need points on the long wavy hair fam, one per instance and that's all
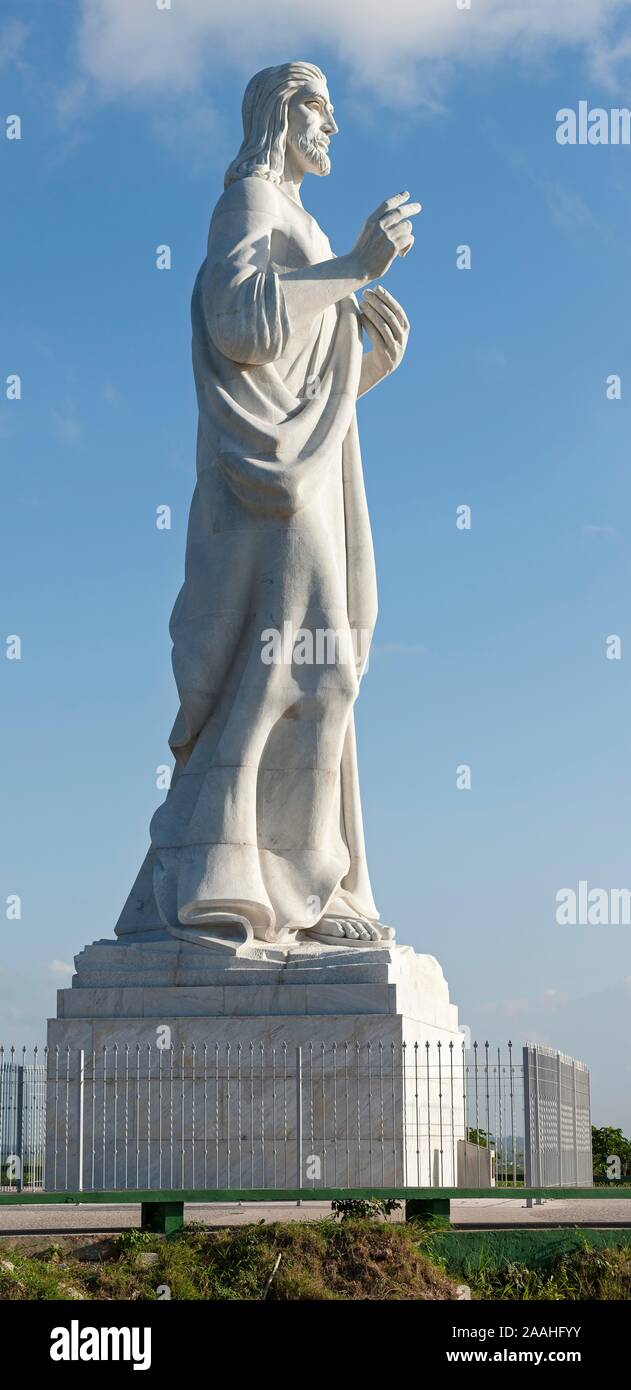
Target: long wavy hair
(265, 113)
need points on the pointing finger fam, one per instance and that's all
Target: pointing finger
(397, 215)
(389, 204)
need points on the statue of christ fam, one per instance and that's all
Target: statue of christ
(260, 836)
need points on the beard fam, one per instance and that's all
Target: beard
(315, 153)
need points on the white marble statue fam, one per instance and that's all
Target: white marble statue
(261, 835)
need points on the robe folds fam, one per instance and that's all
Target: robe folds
(263, 816)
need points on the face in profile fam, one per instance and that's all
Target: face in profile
(310, 128)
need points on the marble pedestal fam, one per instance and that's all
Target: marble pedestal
(172, 1066)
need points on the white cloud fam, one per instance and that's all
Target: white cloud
(192, 125)
(409, 46)
(12, 36)
(591, 528)
(60, 968)
(567, 207)
(66, 427)
(70, 100)
(609, 58)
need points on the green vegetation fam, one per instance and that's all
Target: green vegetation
(304, 1261)
(607, 1142)
(479, 1137)
(584, 1275)
(318, 1260)
(350, 1209)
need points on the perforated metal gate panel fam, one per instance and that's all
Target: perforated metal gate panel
(558, 1139)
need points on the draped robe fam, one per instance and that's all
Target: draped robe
(263, 816)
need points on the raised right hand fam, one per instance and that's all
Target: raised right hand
(387, 233)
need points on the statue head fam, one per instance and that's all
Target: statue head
(287, 121)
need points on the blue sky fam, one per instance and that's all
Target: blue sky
(491, 644)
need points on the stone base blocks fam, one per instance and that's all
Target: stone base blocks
(173, 1067)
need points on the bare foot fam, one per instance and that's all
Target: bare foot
(351, 930)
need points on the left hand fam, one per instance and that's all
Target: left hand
(387, 327)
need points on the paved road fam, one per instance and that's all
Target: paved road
(484, 1212)
(489, 1211)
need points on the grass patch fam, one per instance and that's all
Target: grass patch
(589, 1274)
(318, 1260)
(297, 1261)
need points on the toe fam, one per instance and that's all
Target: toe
(371, 930)
(330, 927)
